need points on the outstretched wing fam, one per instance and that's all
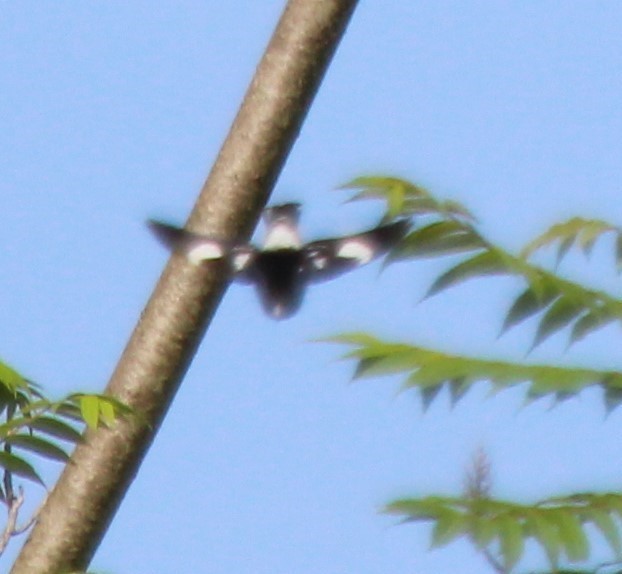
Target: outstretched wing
(329, 258)
(197, 248)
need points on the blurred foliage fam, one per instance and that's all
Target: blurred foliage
(34, 426)
(499, 529)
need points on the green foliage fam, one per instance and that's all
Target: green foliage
(98, 409)
(35, 425)
(559, 302)
(503, 527)
(430, 370)
(577, 230)
(405, 198)
(499, 529)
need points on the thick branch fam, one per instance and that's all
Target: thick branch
(79, 509)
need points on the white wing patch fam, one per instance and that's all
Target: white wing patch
(357, 249)
(240, 260)
(319, 262)
(282, 236)
(204, 251)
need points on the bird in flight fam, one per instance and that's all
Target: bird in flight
(284, 266)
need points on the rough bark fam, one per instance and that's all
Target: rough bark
(87, 495)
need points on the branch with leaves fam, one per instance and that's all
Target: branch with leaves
(450, 230)
(430, 370)
(35, 425)
(502, 528)
(498, 528)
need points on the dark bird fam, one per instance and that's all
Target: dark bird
(284, 266)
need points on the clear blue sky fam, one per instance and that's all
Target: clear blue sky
(269, 461)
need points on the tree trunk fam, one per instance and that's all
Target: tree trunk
(81, 506)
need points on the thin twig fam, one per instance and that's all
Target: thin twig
(11, 529)
(14, 504)
(478, 482)
(21, 529)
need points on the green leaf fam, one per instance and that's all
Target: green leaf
(528, 303)
(483, 531)
(352, 338)
(619, 251)
(487, 263)
(383, 185)
(546, 533)
(511, 539)
(16, 422)
(453, 208)
(56, 428)
(384, 365)
(70, 409)
(11, 379)
(18, 466)
(608, 527)
(591, 231)
(39, 446)
(591, 300)
(561, 313)
(107, 411)
(587, 230)
(453, 234)
(547, 380)
(457, 389)
(555, 523)
(404, 198)
(395, 200)
(571, 535)
(396, 192)
(428, 394)
(434, 373)
(589, 322)
(426, 368)
(613, 396)
(564, 247)
(95, 409)
(612, 502)
(449, 526)
(427, 508)
(89, 408)
(439, 238)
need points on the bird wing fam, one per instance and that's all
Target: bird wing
(197, 248)
(328, 258)
(242, 261)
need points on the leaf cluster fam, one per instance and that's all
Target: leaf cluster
(498, 528)
(430, 370)
(556, 524)
(34, 424)
(450, 230)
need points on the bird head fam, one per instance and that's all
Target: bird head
(282, 226)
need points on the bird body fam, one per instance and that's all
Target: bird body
(283, 268)
(280, 278)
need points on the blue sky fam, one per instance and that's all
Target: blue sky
(269, 461)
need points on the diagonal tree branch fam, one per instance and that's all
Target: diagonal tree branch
(79, 509)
